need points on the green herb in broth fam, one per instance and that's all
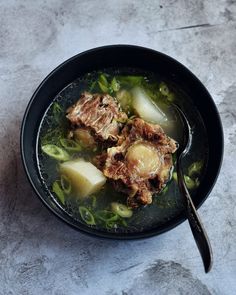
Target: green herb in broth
(103, 83)
(109, 219)
(190, 183)
(57, 112)
(129, 81)
(121, 210)
(106, 216)
(57, 126)
(87, 216)
(54, 130)
(55, 152)
(115, 85)
(66, 184)
(56, 188)
(70, 145)
(195, 168)
(107, 86)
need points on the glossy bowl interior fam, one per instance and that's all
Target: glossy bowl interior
(118, 56)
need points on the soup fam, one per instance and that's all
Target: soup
(107, 148)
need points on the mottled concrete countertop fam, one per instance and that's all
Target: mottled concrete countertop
(41, 255)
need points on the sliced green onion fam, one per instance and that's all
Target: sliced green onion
(66, 184)
(86, 215)
(121, 210)
(115, 85)
(195, 168)
(103, 80)
(164, 89)
(103, 83)
(103, 87)
(55, 152)
(70, 145)
(190, 183)
(106, 215)
(59, 192)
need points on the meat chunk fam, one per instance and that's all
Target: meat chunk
(100, 114)
(141, 162)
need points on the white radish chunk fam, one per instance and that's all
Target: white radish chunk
(85, 178)
(146, 109)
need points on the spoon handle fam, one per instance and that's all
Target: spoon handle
(196, 225)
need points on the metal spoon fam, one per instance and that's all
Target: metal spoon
(195, 223)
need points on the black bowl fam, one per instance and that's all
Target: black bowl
(120, 56)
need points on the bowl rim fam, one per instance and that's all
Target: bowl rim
(106, 234)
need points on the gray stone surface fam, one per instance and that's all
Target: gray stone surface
(41, 255)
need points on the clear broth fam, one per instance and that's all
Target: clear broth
(166, 205)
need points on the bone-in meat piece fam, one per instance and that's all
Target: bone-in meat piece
(100, 114)
(140, 163)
